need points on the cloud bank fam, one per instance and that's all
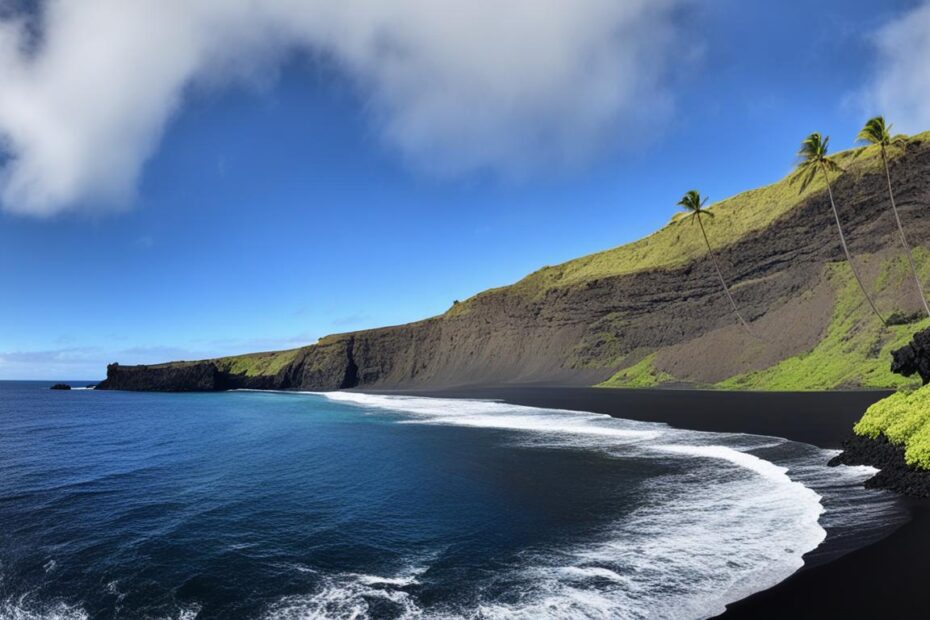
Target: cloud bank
(87, 87)
(88, 362)
(901, 87)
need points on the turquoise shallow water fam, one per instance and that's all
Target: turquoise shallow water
(267, 505)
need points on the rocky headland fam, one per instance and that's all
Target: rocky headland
(651, 312)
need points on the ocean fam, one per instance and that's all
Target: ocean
(347, 505)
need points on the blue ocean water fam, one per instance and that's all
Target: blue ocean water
(271, 505)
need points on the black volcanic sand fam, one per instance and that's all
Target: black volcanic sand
(889, 579)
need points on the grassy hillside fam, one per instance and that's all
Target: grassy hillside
(675, 245)
(854, 352)
(856, 349)
(256, 364)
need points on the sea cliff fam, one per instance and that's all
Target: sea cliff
(651, 312)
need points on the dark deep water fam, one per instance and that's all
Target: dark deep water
(265, 505)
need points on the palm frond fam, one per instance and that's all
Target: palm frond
(832, 166)
(691, 201)
(859, 152)
(803, 175)
(813, 148)
(875, 131)
(898, 143)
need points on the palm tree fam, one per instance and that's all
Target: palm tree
(693, 203)
(813, 159)
(877, 132)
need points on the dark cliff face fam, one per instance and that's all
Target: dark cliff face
(322, 367)
(194, 377)
(583, 332)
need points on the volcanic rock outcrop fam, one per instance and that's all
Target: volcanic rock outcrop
(914, 357)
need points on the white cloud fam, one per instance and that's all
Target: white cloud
(454, 86)
(901, 87)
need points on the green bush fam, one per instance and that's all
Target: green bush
(904, 418)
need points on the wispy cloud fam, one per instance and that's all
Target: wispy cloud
(145, 242)
(233, 346)
(900, 87)
(453, 86)
(66, 356)
(83, 362)
(351, 319)
(89, 362)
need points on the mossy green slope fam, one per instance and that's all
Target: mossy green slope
(853, 353)
(675, 245)
(856, 350)
(643, 374)
(257, 364)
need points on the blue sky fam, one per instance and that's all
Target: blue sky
(272, 212)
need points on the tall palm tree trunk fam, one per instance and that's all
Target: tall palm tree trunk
(723, 282)
(907, 248)
(839, 228)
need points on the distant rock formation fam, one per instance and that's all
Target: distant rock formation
(324, 366)
(60, 386)
(194, 377)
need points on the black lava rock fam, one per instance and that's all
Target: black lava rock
(894, 473)
(60, 386)
(913, 357)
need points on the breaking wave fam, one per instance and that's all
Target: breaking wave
(740, 521)
(710, 517)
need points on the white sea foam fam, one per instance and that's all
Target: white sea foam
(24, 608)
(741, 524)
(374, 580)
(346, 597)
(28, 607)
(495, 415)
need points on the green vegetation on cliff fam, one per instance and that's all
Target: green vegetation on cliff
(674, 245)
(257, 364)
(640, 375)
(904, 419)
(855, 350)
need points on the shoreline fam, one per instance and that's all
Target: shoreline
(883, 579)
(798, 416)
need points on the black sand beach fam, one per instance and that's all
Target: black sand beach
(888, 579)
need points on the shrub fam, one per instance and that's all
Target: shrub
(904, 418)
